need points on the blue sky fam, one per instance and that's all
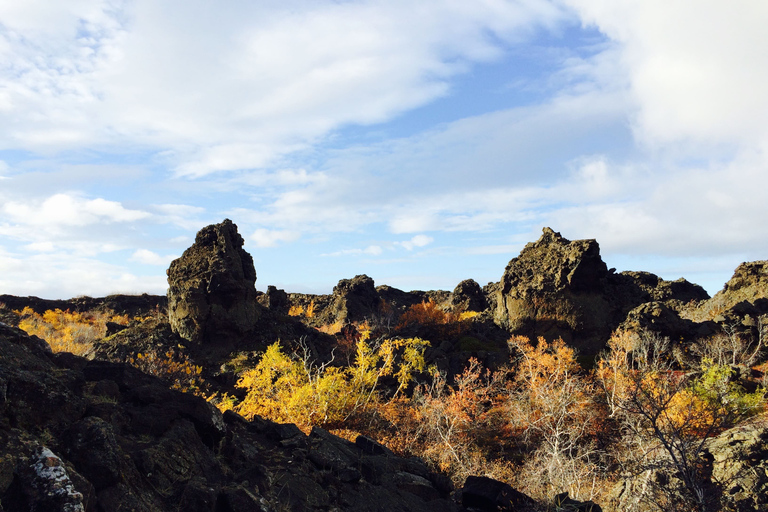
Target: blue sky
(419, 143)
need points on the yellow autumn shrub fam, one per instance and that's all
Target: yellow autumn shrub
(294, 389)
(67, 331)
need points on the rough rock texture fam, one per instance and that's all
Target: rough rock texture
(275, 300)
(353, 300)
(469, 296)
(660, 290)
(745, 294)
(749, 282)
(79, 435)
(659, 317)
(558, 288)
(738, 462)
(211, 294)
(562, 288)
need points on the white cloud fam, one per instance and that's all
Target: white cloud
(231, 88)
(272, 238)
(62, 275)
(68, 210)
(148, 257)
(696, 68)
(416, 241)
(182, 215)
(371, 250)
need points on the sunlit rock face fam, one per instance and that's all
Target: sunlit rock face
(562, 288)
(557, 288)
(211, 294)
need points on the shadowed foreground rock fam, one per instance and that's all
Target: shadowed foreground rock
(79, 435)
(211, 294)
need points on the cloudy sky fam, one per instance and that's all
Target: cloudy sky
(421, 143)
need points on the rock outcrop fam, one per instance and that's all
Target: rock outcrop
(558, 288)
(79, 435)
(740, 463)
(562, 288)
(737, 469)
(353, 300)
(469, 296)
(743, 299)
(660, 290)
(211, 294)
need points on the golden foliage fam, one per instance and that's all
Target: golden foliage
(294, 389)
(67, 331)
(429, 317)
(174, 367)
(555, 410)
(300, 310)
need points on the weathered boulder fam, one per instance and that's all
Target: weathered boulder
(211, 294)
(740, 465)
(558, 288)
(486, 494)
(469, 296)
(749, 282)
(658, 317)
(661, 290)
(744, 295)
(736, 469)
(275, 300)
(353, 300)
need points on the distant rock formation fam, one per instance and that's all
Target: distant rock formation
(469, 296)
(660, 290)
(746, 293)
(274, 300)
(353, 300)
(562, 288)
(211, 294)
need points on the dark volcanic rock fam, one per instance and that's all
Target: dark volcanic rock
(562, 288)
(740, 464)
(353, 300)
(211, 294)
(486, 494)
(469, 296)
(558, 288)
(660, 318)
(275, 300)
(660, 290)
(748, 285)
(737, 468)
(99, 436)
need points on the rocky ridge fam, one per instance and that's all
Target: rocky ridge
(100, 436)
(95, 435)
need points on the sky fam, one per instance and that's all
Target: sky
(420, 143)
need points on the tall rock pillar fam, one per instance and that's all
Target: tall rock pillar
(211, 294)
